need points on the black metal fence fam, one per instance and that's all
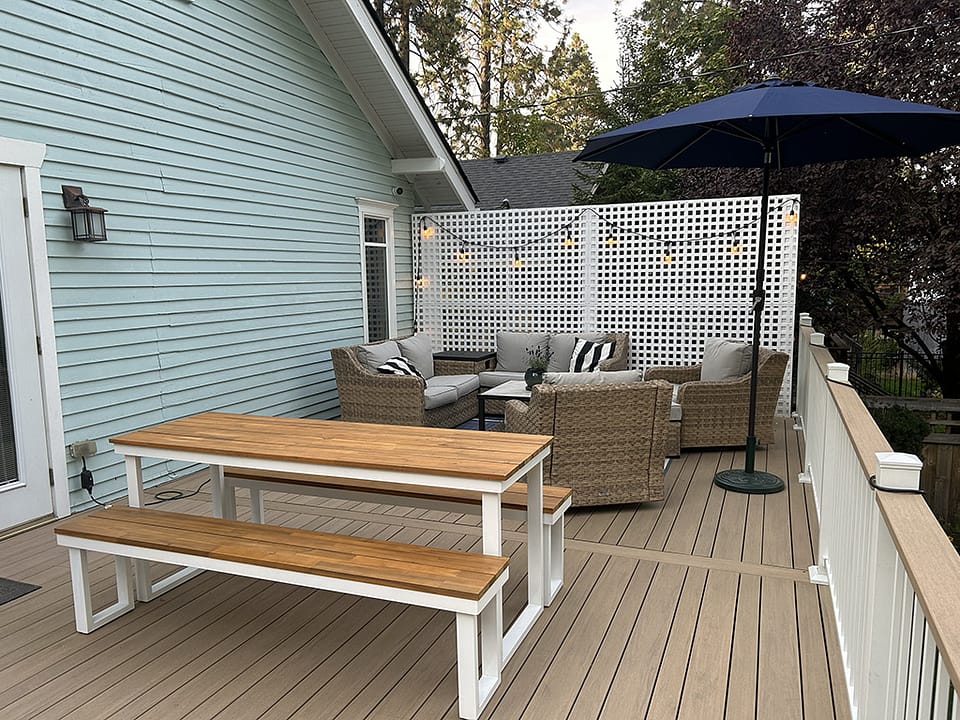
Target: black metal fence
(889, 373)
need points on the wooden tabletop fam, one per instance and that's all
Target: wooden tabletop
(403, 448)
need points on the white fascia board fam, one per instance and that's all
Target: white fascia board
(357, 10)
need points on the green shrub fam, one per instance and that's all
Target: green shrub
(903, 428)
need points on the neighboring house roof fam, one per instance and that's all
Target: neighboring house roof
(545, 180)
(356, 45)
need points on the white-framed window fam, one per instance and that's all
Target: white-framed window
(377, 269)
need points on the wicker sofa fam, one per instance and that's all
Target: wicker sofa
(608, 440)
(369, 396)
(715, 413)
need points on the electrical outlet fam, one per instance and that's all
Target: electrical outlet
(83, 448)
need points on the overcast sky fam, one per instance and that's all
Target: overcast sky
(593, 20)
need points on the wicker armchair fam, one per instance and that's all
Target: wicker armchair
(608, 440)
(368, 396)
(715, 414)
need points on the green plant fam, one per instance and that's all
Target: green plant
(539, 357)
(903, 428)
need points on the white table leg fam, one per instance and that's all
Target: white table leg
(538, 570)
(491, 523)
(217, 492)
(144, 582)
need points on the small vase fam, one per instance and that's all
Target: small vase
(533, 377)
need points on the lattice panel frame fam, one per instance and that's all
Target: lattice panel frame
(669, 273)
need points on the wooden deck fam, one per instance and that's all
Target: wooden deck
(695, 607)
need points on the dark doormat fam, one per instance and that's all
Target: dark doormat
(11, 589)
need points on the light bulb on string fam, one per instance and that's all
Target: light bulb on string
(568, 241)
(463, 254)
(790, 217)
(735, 247)
(427, 231)
(803, 276)
(611, 240)
(517, 262)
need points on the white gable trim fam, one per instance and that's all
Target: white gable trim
(358, 12)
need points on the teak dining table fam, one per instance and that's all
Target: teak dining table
(444, 458)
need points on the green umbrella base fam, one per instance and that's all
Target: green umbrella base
(748, 482)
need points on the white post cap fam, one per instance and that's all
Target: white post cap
(838, 372)
(817, 339)
(898, 470)
(806, 320)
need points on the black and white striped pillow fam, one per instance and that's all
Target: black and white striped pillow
(587, 355)
(399, 366)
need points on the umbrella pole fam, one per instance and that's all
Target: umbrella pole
(749, 480)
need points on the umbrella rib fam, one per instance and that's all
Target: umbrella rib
(901, 144)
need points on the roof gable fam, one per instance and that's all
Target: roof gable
(354, 42)
(544, 180)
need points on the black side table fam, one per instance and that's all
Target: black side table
(473, 361)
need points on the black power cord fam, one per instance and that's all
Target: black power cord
(86, 482)
(171, 495)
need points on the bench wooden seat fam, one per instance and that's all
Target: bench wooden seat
(467, 584)
(513, 503)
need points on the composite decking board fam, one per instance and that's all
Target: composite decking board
(593, 690)
(838, 682)
(136, 677)
(705, 685)
(556, 694)
(777, 531)
(276, 670)
(668, 692)
(744, 655)
(520, 687)
(639, 666)
(779, 691)
(689, 519)
(814, 670)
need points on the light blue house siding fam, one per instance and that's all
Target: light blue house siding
(230, 157)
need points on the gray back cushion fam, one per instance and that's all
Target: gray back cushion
(562, 344)
(593, 378)
(512, 349)
(374, 355)
(724, 359)
(418, 349)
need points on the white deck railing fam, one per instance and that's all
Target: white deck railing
(893, 574)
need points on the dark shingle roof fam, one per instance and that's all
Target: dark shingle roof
(544, 180)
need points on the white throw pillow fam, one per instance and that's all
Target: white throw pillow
(588, 355)
(724, 359)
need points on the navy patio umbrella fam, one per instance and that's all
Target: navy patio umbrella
(774, 124)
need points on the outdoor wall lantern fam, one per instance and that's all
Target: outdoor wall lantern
(88, 221)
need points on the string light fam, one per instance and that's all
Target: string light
(429, 228)
(803, 276)
(790, 217)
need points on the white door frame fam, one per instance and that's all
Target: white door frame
(28, 156)
(381, 211)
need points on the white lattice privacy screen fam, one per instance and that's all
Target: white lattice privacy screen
(669, 273)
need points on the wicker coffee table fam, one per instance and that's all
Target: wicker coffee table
(510, 390)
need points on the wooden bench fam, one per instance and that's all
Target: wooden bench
(467, 584)
(513, 503)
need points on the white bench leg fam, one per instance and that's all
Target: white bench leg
(553, 547)
(256, 505)
(87, 620)
(476, 687)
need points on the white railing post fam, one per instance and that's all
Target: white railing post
(883, 645)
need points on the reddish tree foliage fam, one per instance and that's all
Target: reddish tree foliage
(880, 240)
